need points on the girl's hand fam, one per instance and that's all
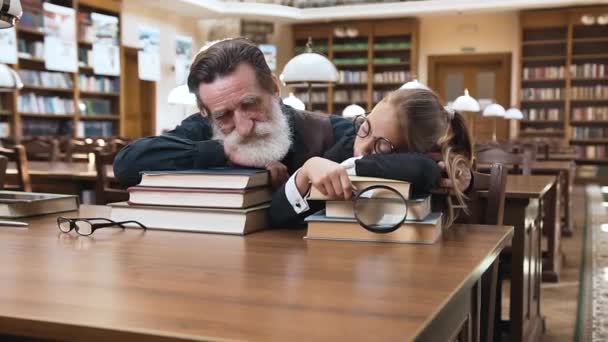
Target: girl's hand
(328, 177)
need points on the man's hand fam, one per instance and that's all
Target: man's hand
(278, 173)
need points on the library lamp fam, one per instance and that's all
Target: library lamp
(466, 103)
(10, 13)
(181, 95)
(9, 78)
(310, 69)
(514, 114)
(353, 110)
(294, 102)
(494, 111)
(414, 84)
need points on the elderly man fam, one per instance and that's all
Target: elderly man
(241, 121)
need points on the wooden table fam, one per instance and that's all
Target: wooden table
(526, 197)
(60, 177)
(158, 286)
(565, 170)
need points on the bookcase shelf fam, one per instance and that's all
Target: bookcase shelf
(30, 108)
(555, 41)
(382, 57)
(540, 122)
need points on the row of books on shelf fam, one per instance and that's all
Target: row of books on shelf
(589, 113)
(32, 16)
(588, 70)
(99, 84)
(315, 48)
(392, 45)
(47, 127)
(364, 61)
(316, 96)
(542, 93)
(598, 92)
(32, 103)
(346, 76)
(350, 96)
(96, 129)
(46, 79)
(85, 57)
(534, 130)
(357, 46)
(95, 106)
(30, 49)
(550, 72)
(392, 77)
(378, 95)
(540, 114)
(592, 151)
(589, 132)
(350, 46)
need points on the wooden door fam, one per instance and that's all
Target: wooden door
(140, 99)
(488, 79)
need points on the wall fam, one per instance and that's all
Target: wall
(486, 32)
(137, 14)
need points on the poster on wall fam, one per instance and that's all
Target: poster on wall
(8, 46)
(270, 54)
(149, 54)
(60, 51)
(183, 58)
(106, 50)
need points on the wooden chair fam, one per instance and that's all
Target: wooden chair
(104, 192)
(521, 163)
(79, 149)
(18, 155)
(3, 166)
(46, 149)
(117, 144)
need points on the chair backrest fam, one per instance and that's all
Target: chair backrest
(522, 162)
(42, 149)
(104, 192)
(117, 144)
(18, 155)
(79, 150)
(3, 166)
(496, 184)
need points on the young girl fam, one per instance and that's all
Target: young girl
(402, 138)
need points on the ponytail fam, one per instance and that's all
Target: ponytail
(457, 153)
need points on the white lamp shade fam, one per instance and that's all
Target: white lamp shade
(466, 103)
(309, 67)
(11, 14)
(9, 78)
(494, 110)
(514, 114)
(181, 95)
(352, 111)
(294, 102)
(414, 84)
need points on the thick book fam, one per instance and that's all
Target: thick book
(417, 209)
(217, 178)
(203, 220)
(193, 197)
(15, 204)
(321, 227)
(360, 183)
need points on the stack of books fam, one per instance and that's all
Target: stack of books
(226, 201)
(338, 222)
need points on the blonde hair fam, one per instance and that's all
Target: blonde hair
(428, 128)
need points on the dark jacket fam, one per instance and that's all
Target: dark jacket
(190, 145)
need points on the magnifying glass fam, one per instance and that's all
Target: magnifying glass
(380, 209)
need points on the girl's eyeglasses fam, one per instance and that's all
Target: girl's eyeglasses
(363, 129)
(86, 226)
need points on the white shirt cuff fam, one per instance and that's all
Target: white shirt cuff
(297, 201)
(349, 165)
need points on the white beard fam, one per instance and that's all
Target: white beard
(269, 142)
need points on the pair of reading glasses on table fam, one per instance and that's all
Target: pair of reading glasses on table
(87, 226)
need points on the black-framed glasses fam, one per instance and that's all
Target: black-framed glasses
(86, 226)
(363, 129)
(380, 208)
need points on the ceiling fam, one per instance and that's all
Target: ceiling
(262, 10)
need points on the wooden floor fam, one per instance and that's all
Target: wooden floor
(559, 301)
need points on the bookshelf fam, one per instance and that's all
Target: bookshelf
(53, 103)
(373, 57)
(564, 79)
